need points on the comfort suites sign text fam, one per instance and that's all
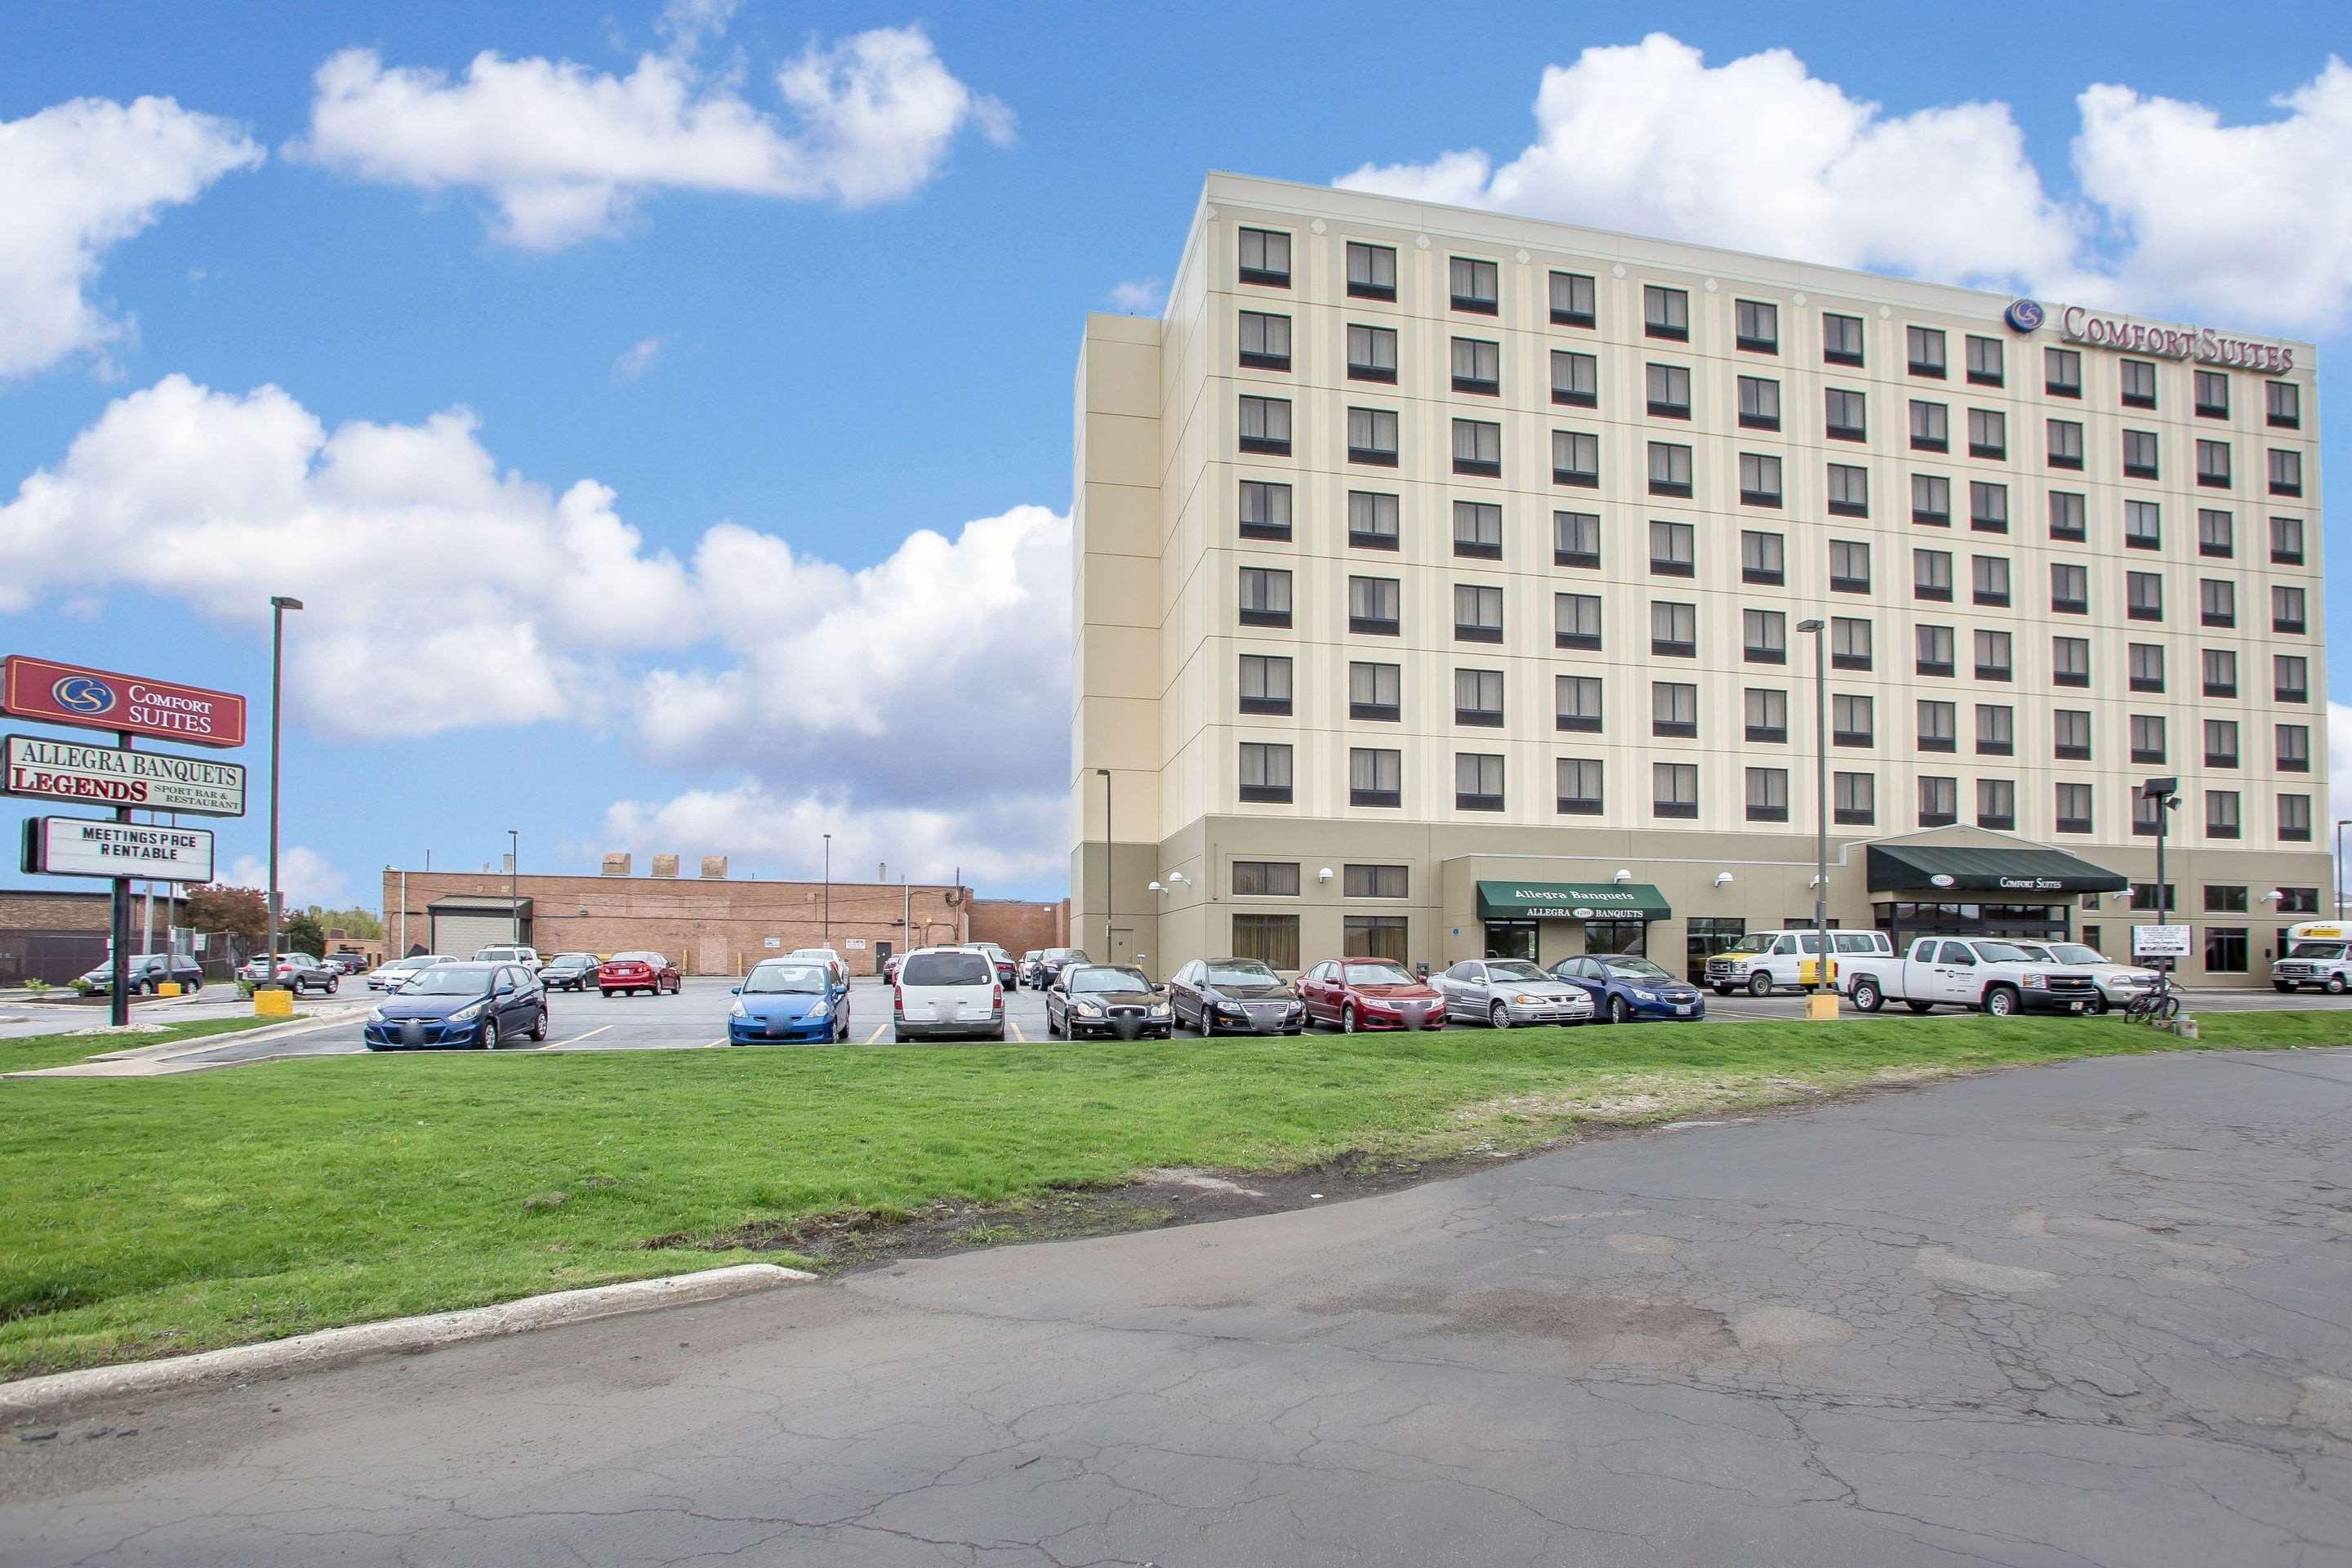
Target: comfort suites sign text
(2083, 326)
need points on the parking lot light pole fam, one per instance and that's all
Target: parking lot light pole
(1108, 954)
(514, 873)
(2160, 791)
(2341, 823)
(1814, 627)
(279, 605)
(828, 892)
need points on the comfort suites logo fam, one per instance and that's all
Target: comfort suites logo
(2025, 315)
(2080, 325)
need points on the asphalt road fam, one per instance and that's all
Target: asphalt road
(2098, 1313)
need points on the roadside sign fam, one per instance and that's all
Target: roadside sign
(81, 772)
(86, 846)
(73, 694)
(2160, 941)
(856, 944)
(773, 942)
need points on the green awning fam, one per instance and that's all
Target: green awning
(1985, 869)
(1572, 902)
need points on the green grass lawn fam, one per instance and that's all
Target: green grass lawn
(145, 1216)
(63, 1049)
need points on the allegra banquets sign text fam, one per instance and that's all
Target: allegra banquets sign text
(129, 704)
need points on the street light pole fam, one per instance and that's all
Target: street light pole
(1108, 956)
(1815, 627)
(514, 876)
(279, 605)
(2341, 823)
(828, 892)
(2160, 791)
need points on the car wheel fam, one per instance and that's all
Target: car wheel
(605, 992)
(539, 1026)
(1619, 1010)
(2098, 1005)
(1347, 1019)
(2335, 985)
(334, 981)
(2000, 1002)
(1498, 1017)
(490, 1034)
(1868, 995)
(1919, 1007)
(1759, 985)
(2283, 990)
(1722, 990)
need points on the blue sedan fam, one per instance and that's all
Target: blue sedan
(784, 1001)
(475, 1006)
(1624, 988)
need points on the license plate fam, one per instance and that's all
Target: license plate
(1681, 1009)
(2073, 1006)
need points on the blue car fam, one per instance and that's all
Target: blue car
(1624, 988)
(788, 1000)
(477, 1006)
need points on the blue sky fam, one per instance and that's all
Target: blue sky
(828, 375)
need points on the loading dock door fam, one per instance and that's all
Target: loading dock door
(461, 933)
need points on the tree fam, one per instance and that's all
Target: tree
(301, 932)
(361, 925)
(239, 912)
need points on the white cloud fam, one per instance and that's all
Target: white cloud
(76, 180)
(1633, 138)
(305, 878)
(688, 23)
(566, 151)
(2339, 765)
(1139, 297)
(1013, 839)
(637, 359)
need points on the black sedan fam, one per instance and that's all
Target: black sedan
(1237, 995)
(569, 972)
(1107, 999)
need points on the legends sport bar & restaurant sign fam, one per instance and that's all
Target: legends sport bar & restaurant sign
(75, 771)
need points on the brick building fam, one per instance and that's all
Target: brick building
(55, 935)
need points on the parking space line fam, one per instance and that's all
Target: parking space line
(577, 1038)
(876, 1037)
(714, 1045)
(1015, 1030)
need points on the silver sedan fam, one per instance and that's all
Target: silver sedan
(1508, 990)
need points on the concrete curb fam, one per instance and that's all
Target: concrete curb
(153, 1060)
(37, 1398)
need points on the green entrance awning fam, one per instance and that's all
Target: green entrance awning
(1984, 868)
(1572, 902)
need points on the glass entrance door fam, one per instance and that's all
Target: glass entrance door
(1511, 939)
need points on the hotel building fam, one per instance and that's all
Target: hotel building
(1451, 583)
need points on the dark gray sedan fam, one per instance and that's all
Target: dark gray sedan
(1107, 999)
(1238, 995)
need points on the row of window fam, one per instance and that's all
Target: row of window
(1279, 880)
(1474, 288)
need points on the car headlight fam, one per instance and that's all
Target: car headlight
(739, 1011)
(1086, 1009)
(1640, 995)
(377, 1016)
(2037, 982)
(1524, 1000)
(820, 1011)
(1159, 1009)
(467, 1014)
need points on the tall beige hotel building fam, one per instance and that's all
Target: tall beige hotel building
(1451, 583)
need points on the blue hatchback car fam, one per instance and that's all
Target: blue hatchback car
(466, 1006)
(1624, 988)
(789, 1000)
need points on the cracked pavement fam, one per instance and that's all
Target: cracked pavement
(2095, 1313)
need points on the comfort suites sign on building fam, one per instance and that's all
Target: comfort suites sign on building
(2080, 324)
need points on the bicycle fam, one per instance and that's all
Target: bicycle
(2159, 1005)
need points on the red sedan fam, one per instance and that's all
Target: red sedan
(648, 972)
(1369, 994)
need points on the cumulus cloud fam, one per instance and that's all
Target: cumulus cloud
(566, 153)
(1139, 297)
(2339, 761)
(76, 180)
(1632, 137)
(305, 878)
(637, 359)
(1010, 839)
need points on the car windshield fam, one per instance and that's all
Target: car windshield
(1376, 974)
(1760, 941)
(1241, 971)
(2037, 950)
(2075, 953)
(777, 977)
(570, 961)
(2318, 950)
(635, 958)
(451, 980)
(947, 969)
(2001, 953)
(1634, 968)
(1514, 969)
(1067, 954)
(1103, 977)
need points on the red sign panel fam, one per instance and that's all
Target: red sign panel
(103, 699)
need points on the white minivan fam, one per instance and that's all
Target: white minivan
(505, 953)
(1767, 960)
(948, 991)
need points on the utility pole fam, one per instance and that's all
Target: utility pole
(828, 892)
(279, 605)
(1815, 628)
(514, 890)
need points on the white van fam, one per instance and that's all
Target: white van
(948, 991)
(2318, 952)
(1767, 960)
(505, 953)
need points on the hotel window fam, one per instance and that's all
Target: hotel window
(1668, 388)
(2225, 950)
(2148, 738)
(1996, 729)
(1940, 801)
(1477, 365)
(1473, 285)
(1925, 351)
(1264, 509)
(1939, 724)
(1373, 436)
(2298, 900)
(1373, 936)
(1266, 683)
(1763, 558)
(1931, 427)
(1984, 360)
(2062, 373)
(1673, 629)
(1988, 433)
(1271, 939)
(1993, 656)
(1849, 643)
(1577, 621)
(2137, 377)
(1670, 469)
(1849, 490)
(2212, 395)
(1477, 781)
(1575, 379)
(1933, 650)
(1575, 459)
(2216, 534)
(1764, 636)
(1477, 447)
(1673, 789)
(1665, 312)
(1856, 796)
(2065, 443)
(2070, 661)
(1760, 480)
(1756, 326)
(1845, 414)
(1759, 403)
(1478, 612)
(1577, 786)
(1931, 574)
(1265, 596)
(1371, 519)
(1266, 425)
(2146, 895)
(2073, 807)
(1478, 698)
(2070, 734)
(2222, 822)
(1375, 776)
(1373, 606)
(2291, 678)
(2286, 609)
(1997, 802)
(1573, 299)
(2143, 595)
(1988, 506)
(2143, 525)
(1371, 270)
(1266, 257)
(2070, 588)
(1841, 339)
(2293, 748)
(1478, 529)
(1768, 795)
(1376, 692)
(2294, 819)
(1767, 714)
(1265, 340)
(2213, 464)
(1853, 720)
(2287, 542)
(2147, 666)
(2217, 601)
(1674, 709)
(2221, 671)
(1265, 878)
(1265, 772)
(1375, 881)
(1931, 501)
(1989, 580)
(1849, 566)
(1673, 549)
(2139, 455)
(2067, 517)
(2282, 404)
(1576, 703)
(1576, 539)
(1372, 354)
(2286, 473)
(2221, 742)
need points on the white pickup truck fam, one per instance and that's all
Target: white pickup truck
(1968, 972)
